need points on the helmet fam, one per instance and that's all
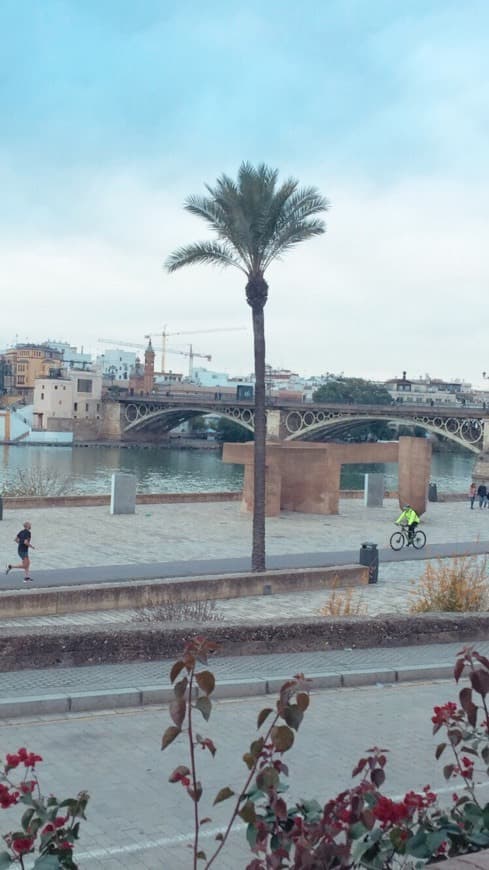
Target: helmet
(407, 507)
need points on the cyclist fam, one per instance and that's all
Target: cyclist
(410, 519)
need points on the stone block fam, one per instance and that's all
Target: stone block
(123, 493)
(373, 495)
(368, 677)
(157, 695)
(424, 672)
(110, 700)
(12, 708)
(239, 689)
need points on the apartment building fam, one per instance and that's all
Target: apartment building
(69, 396)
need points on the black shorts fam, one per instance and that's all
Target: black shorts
(23, 552)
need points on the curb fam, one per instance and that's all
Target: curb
(118, 699)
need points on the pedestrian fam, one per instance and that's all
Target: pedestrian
(472, 492)
(481, 493)
(23, 541)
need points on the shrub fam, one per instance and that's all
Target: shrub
(359, 828)
(455, 585)
(36, 482)
(181, 610)
(342, 603)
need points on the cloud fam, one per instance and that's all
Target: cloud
(398, 282)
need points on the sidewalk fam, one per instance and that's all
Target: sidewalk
(103, 687)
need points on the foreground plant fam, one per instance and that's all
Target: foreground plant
(48, 826)
(361, 826)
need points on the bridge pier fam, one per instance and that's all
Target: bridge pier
(306, 477)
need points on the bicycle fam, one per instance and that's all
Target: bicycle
(402, 539)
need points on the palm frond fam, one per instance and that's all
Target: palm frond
(290, 235)
(215, 253)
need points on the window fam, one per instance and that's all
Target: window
(84, 385)
(20, 379)
(55, 386)
(86, 406)
(98, 407)
(42, 395)
(75, 406)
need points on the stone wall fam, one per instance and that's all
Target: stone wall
(151, 642)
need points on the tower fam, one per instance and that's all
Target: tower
(149, 368)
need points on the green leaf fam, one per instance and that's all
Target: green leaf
(223, 795)
(417, 846)
(481, 840)
(448, 770)
(205, 681)
(178, 708)
(177, 667)
(282, 737)
(205, 707)
(262, 715)
(26, 818)
(293, 715)
(247, 813)
(251, 835)
(267, 778)
(180, 688)
(169, 736)
(435, 839)
(5, 860)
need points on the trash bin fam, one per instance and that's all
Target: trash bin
(432, 492)
(369, 555)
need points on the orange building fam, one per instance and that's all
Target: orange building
(28, 362)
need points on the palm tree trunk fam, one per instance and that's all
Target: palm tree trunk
(259, 471)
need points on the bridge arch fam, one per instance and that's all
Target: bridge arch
(465, 433)
(144, 415)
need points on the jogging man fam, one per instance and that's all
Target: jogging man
(23, 541)
(410, 519)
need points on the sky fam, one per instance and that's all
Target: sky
(112, 112)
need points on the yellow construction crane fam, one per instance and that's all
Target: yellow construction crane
(190, 353)
(164, 335)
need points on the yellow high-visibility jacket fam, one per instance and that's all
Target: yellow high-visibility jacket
(407, 517)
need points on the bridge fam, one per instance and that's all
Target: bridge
(466, 426)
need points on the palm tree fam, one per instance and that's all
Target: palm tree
(255, 221)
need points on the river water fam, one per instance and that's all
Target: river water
(163, 469)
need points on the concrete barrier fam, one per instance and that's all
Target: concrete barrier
(137, 594)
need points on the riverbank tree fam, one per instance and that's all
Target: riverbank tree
(255, 221)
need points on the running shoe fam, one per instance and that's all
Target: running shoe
(28, 580)
(8, 568)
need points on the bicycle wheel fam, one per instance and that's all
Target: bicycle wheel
(397, 541)
(419, 540)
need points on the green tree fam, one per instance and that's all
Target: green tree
(255, 221)
(228, 430)
(352, 391)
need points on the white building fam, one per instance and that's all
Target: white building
(429, 391)
(71, 356)
(75, 395)
(116, 363)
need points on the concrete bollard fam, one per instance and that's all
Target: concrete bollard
(123, 493)
(373, 494)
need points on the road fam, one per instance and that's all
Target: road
(202, 567)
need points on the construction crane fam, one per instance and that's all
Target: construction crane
(190, 353)
(164, 335)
